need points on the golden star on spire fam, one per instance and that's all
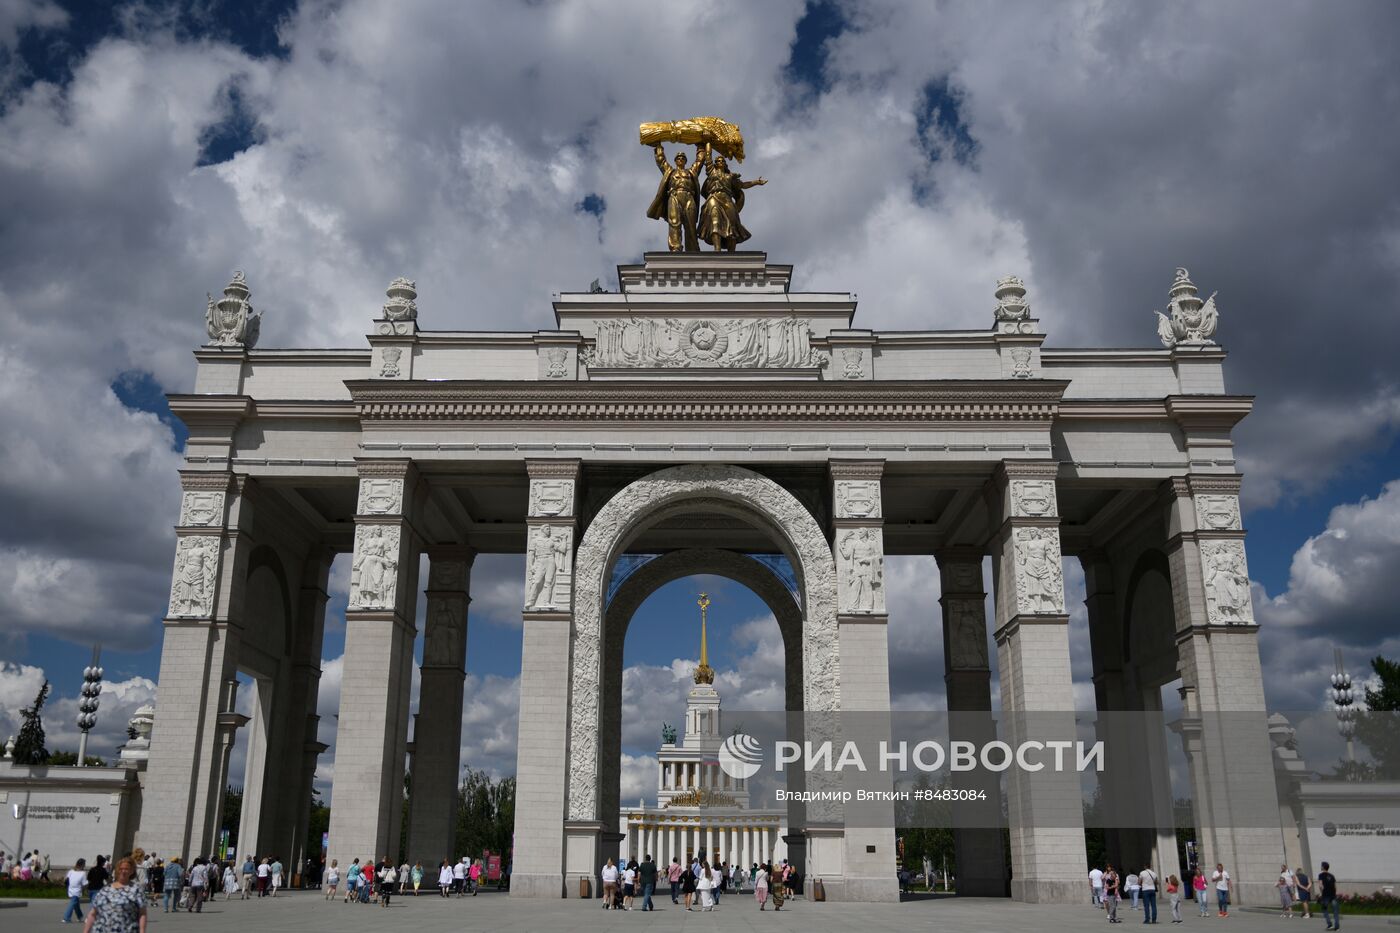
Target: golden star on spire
(704, 674)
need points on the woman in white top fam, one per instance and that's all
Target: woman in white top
(332, 878)
(629, 881)
(1134, 888)
(444, 878)
(609, 884)
(704, 885)
(230, 881)
(760, 888)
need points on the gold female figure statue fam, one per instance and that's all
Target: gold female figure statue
(677, 198)
(723, 192)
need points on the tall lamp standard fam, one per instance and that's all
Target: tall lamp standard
(88, 702)
(1342, 700)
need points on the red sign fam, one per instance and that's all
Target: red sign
(493, 867)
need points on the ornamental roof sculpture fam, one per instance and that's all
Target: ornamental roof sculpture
(231, 321)
(1190, 321)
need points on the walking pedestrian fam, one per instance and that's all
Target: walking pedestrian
(352, 880)
(1096, 886)
(444, 879)
(247, 877)
(1133, 886)
(646, 877)
(230, 881)
(1221, 877)
(1304, 884)
(474, 876)
(276, 869)
(156, 879)
(76, 879)
(1285, 891)
(779, 892)
(174, 882)
(760, 888)
(332, 879)
(609, 884)
(1147, 888)
(199, 884)
(1198, 885)
(688, 887)
(629, 884)
(388, 882)
(97, 876)
(459, 876)
(1174, 892)
(119, 907)
(416, 876)
(705, 884)
(1327, 898)
(1112, 893)
(673, 875)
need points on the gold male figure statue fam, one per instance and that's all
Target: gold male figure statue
(677, 199)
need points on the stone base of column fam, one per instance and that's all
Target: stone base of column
(1033, 891)
(583, 850)
(538, 886)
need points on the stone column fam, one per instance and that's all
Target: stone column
(1224, 724)
(372, 733)
(188, 771)
(968, 675)
(437, 736)
(1048, 860)
(868, 860)
(541, 759)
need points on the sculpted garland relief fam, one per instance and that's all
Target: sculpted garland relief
(1218, 513)
(821, 658)
(374, 573)
(380, 496)
(201, 509)
(196, 565)
(1040, 584)
(781, 343)
(1033, 498)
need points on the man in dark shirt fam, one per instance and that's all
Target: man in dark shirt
(646, 874)
(97, 876)
(1327, 898)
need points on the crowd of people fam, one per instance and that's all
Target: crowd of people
(30, 867)
(697, 886)
(1140, 888)
(377, 882)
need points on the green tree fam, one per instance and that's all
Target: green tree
(485, 813)
(1377, 727)
(319, 823)
(29, 744)
(67, 758)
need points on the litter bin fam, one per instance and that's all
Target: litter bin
(585, 888)
(818, 890)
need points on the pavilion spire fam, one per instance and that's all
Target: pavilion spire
(704, 674)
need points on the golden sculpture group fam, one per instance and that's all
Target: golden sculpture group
(697, 212)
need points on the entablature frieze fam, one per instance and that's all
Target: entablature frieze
(871, 402)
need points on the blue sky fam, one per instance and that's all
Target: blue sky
(917, 152)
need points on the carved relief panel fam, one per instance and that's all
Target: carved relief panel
(1040, 586)
(374, 571)
(196, 569)
(967, 635)
(549, 568)
(442, 640)
(551, 497)
(1227, 583)
(860, 570)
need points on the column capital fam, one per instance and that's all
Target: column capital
(1008, 470)
(384, 466)
(856, 469)
(553, 468)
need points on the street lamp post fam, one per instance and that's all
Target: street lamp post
(88, 702)
(1342, 701)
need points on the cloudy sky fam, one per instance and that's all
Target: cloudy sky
(916, 152)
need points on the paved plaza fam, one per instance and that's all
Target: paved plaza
(498, 913)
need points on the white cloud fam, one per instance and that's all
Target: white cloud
(118, 702)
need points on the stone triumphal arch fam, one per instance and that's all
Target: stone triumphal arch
(710, 417)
